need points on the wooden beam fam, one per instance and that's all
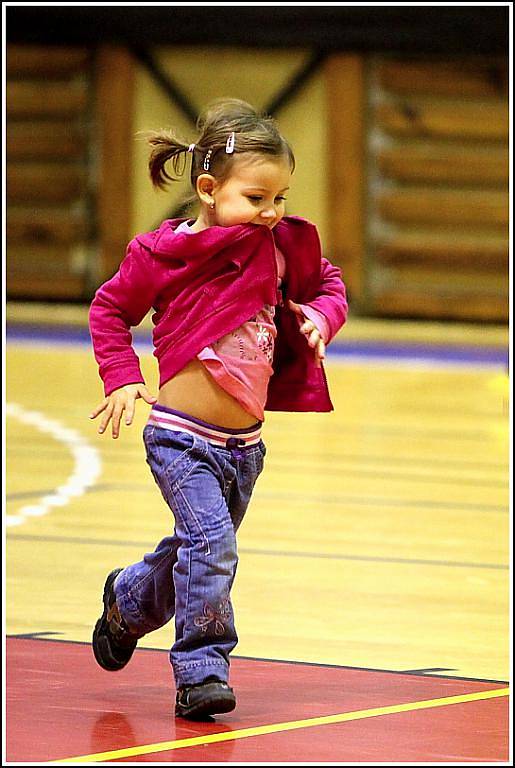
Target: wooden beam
(488, 209)
(49, 99)
(436, 164)
(61, 61)
(448, 249)
(471, 306)
(473, 78)
(46, 140)
(345, 168)
(114, 108)
(45, 183)
(46, 224)
(417, 118)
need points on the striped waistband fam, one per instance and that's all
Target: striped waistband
(166, 418)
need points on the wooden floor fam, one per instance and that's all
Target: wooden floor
(377, 538)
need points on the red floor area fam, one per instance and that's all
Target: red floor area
(60, 704)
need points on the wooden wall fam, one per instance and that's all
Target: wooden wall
(402, 163)
(69, 194)
(419, 174)
(49, 172)
(437, 189)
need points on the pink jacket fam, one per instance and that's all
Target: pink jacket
(206, 284)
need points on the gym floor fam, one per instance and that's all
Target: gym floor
(372, 598)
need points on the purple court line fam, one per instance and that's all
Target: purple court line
(409, 351)
(450, 353)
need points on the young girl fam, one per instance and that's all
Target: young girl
(244, 306)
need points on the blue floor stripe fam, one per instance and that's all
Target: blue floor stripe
(488, 355)
(410, 350)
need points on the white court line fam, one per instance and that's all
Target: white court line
(86, 471)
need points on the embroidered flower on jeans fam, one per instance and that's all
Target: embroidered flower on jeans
(219, 617)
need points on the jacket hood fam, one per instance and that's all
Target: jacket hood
(166, 242)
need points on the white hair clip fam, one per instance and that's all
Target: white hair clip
(207, 159)
(229, 147)
(191, 147)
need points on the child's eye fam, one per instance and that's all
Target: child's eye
(259, 198)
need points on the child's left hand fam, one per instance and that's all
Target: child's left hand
(310, 331)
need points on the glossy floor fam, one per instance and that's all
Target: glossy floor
(373, 574)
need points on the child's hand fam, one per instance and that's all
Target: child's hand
(117, 402)
(311, 332)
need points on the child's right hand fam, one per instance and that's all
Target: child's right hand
(117, 402)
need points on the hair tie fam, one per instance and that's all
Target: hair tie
(191, 147)
(229, 147)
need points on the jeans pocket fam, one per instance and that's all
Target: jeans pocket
(170, 453)
(258, 457)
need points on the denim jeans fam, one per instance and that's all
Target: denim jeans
(190, 574)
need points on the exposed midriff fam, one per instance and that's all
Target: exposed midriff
(194, 391)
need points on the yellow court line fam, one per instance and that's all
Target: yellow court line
(262, 730)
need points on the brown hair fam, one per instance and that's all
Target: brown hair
(254, 132)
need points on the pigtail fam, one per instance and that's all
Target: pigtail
(166, 147)
(226, 128)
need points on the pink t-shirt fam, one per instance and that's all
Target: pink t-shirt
(241, 361)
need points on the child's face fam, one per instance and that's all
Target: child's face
(253, 193)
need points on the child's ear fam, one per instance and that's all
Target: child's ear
(206, 185)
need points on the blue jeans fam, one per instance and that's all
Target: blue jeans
(190, 574)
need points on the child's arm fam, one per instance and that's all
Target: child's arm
(321, 318)
(314, 328)
(120, 303)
